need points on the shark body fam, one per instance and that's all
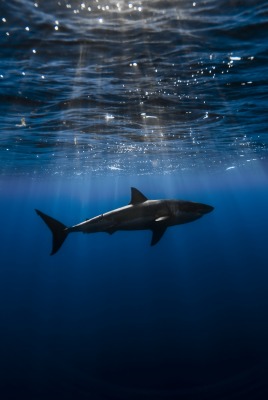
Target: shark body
(141, 213)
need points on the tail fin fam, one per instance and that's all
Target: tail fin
(59, 231)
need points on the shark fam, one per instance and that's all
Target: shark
(140, 214)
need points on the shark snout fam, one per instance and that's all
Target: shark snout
(204, 208)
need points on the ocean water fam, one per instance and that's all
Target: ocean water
(169, 97)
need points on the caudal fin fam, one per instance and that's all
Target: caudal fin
(59, 231)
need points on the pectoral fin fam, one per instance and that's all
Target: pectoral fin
(158, 232)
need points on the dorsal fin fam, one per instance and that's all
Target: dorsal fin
(137, 197)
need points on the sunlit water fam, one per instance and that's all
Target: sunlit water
(169, 97)
(154, 86)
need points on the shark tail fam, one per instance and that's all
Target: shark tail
(59, 231)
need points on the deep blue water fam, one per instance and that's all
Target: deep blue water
(109, 317)
(169, 97)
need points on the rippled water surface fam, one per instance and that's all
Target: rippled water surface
(143, 86)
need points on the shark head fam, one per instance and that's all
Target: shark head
(186, 211)
(201, 208)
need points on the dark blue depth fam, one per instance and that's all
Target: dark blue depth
(109, 317)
